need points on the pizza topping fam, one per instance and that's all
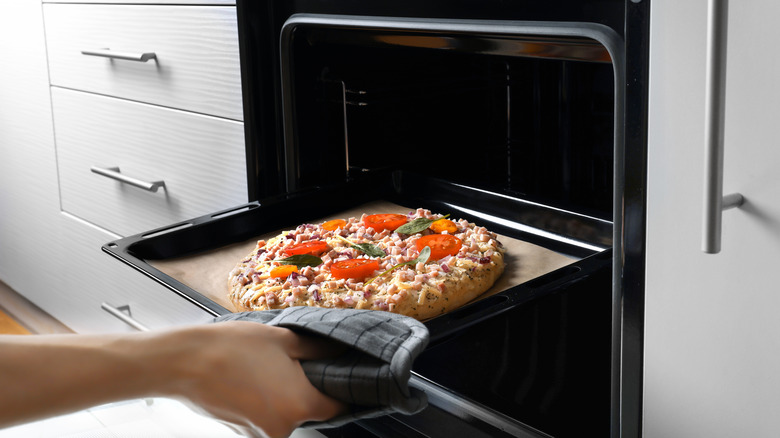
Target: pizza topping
(441, 245)
(386, 221)
(354, 268)
(422, 258)
(311, 247)
(366, 248)
(301, 260)
(418, 225)
(444, 226)
(335, 224)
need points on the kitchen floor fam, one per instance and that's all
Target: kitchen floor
(153, 418)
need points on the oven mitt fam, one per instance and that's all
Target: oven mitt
(372, 376)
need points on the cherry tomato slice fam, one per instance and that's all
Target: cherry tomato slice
(442, 225)
(313, 247)
(283, 271)
(335, 224)
(354, 268)
(441, 245)
(386, 221)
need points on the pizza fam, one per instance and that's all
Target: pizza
(419, 264)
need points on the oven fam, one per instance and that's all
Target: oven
(525, 117)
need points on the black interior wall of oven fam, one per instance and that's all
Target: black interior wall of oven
(536, 128)
(260, 23)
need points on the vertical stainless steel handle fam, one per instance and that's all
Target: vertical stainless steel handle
(108, 53)
(714, 121)
(113, 173)
(119, 312)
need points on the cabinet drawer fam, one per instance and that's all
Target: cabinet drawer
(86, 277)
(200, 159)
(195, 65)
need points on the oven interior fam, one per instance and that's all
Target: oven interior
(515, 130)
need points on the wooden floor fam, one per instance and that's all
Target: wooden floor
(19, 316)
(9, 326)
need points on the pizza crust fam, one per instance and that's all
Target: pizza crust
(422, 291)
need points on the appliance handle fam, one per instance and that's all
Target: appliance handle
(123, 313)
(111, 54)
(714, 122)
(113, 173)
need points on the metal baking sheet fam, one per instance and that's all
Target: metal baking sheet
(207, 272)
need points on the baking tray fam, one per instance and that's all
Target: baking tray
(545, 246)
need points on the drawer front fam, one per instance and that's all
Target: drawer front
(195, 65)
(85, 278)
(200, 160)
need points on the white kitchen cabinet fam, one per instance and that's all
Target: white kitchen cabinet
(192, 54)
(712, 331)
(52, 255)
(198, 159)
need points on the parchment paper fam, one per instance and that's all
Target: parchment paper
(207, 272)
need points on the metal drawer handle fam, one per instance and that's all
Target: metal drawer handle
(108, 53)
(113, 173)
(123, 313)
(715, 115)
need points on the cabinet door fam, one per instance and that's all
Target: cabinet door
(712, 331)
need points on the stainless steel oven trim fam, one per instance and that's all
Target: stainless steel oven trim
(604, 35)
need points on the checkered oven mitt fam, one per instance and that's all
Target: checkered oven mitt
(372, 376)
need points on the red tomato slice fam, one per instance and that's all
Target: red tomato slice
(441, 245)
(283, 271)
(386, 221)
(335, 224)
(354, 268)
(313, 247)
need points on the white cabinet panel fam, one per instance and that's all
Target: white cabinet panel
(86, 277)
(712, 334)
(196, 66)
(201, 160)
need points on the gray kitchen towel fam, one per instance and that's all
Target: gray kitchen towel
(372, 376)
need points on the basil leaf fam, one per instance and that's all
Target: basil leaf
(369, 249)
(416, 226)
(422, 258)
(301, 260)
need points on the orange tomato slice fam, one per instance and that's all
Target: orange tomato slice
(335, 224)
(354, 268)
(386, 221)
(442, 225)
(441, 245)
(283, 271)
(313, 247)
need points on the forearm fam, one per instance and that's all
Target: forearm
(241, 372)
(42, 376)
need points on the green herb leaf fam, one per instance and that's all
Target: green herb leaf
(369, 249)
(416, 226)
(422, 258)
(301, 260)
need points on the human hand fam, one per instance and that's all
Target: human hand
(248, 375)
